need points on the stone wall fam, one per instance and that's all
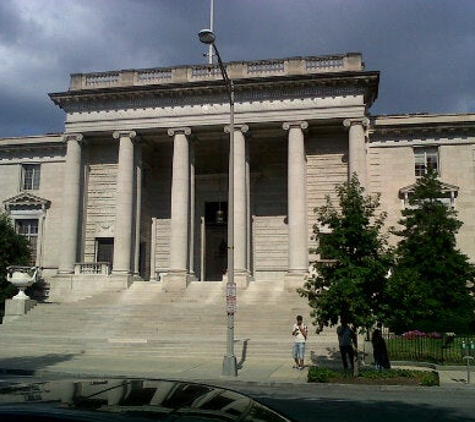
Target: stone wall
(391, 167)
(159, 189)
(50, 188)
(100, 196)
(327, 156)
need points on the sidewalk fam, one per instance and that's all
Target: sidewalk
(261, 371)
(456, 377)
(205, 369)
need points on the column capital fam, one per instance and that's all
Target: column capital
(124, 134)
(177, 130)
(78, 137)
(242, 128)
(302, 124)
(363, 121)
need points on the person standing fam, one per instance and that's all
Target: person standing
(380, 351)
(299, 332)
(345, 341)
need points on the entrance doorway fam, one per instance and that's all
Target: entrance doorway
(216, 234)
(105, 250)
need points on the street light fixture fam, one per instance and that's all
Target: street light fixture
(207, 36)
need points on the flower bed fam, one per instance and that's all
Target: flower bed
(371, 377)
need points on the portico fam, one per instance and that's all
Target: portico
(147, 161)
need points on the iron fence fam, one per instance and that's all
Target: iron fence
(445, 348)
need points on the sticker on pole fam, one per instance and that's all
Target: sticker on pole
(231, 298)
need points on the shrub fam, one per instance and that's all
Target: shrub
(324, 375)
(321, 374)
(428, 379)
(387, 374)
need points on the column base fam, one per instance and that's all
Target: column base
(241, 279)
(120, 281)
(60, 286)
(66, 272)
(175, 281)
(17, 308)
(294, 280)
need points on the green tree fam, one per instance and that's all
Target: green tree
(14, 250)
(432, 283)
(351, 284)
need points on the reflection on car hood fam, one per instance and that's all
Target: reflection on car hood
(129, 400)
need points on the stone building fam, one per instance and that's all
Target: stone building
(136, 188)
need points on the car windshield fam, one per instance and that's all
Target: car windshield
(132, 399)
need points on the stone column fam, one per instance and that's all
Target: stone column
(124, 204)
(71, 203)
(241, 270)
(357, 148)
(153, 248)
(297, 203)
(249, 218)
(191, 241)
(176, 279)
(138, 206)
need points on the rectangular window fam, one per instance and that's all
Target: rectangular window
(30, 177)
(29, 229)
(426, 159)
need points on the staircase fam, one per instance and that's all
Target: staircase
(146, 321)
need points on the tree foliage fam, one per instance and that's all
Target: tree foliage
(432, 283)
(351, 285)
(14, 250)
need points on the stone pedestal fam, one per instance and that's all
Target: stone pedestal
(119, 281)
(175, 281)
(241, 279)
(292, 281)
(60, 286)
(16, 308)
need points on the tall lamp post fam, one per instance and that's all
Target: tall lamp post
(207, 36)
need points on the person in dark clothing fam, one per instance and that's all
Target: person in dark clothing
(346, 338)
(380, 352)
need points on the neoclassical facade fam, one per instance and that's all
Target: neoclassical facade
(136, 188)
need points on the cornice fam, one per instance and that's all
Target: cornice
(423, 126)
(211, 92)
(46, 149)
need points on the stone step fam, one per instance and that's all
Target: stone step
(146, 321)
(173, 348)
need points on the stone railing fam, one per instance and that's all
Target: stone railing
(237, 70)
(92, 268)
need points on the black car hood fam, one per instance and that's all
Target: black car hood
(129, 400)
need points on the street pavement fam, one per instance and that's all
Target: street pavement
(255, 371)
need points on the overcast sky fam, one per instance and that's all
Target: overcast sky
(423, 48)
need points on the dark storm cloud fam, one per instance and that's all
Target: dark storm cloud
(423, 48)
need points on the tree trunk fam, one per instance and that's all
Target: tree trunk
(356, 360)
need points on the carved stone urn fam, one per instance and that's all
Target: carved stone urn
(21, 277)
